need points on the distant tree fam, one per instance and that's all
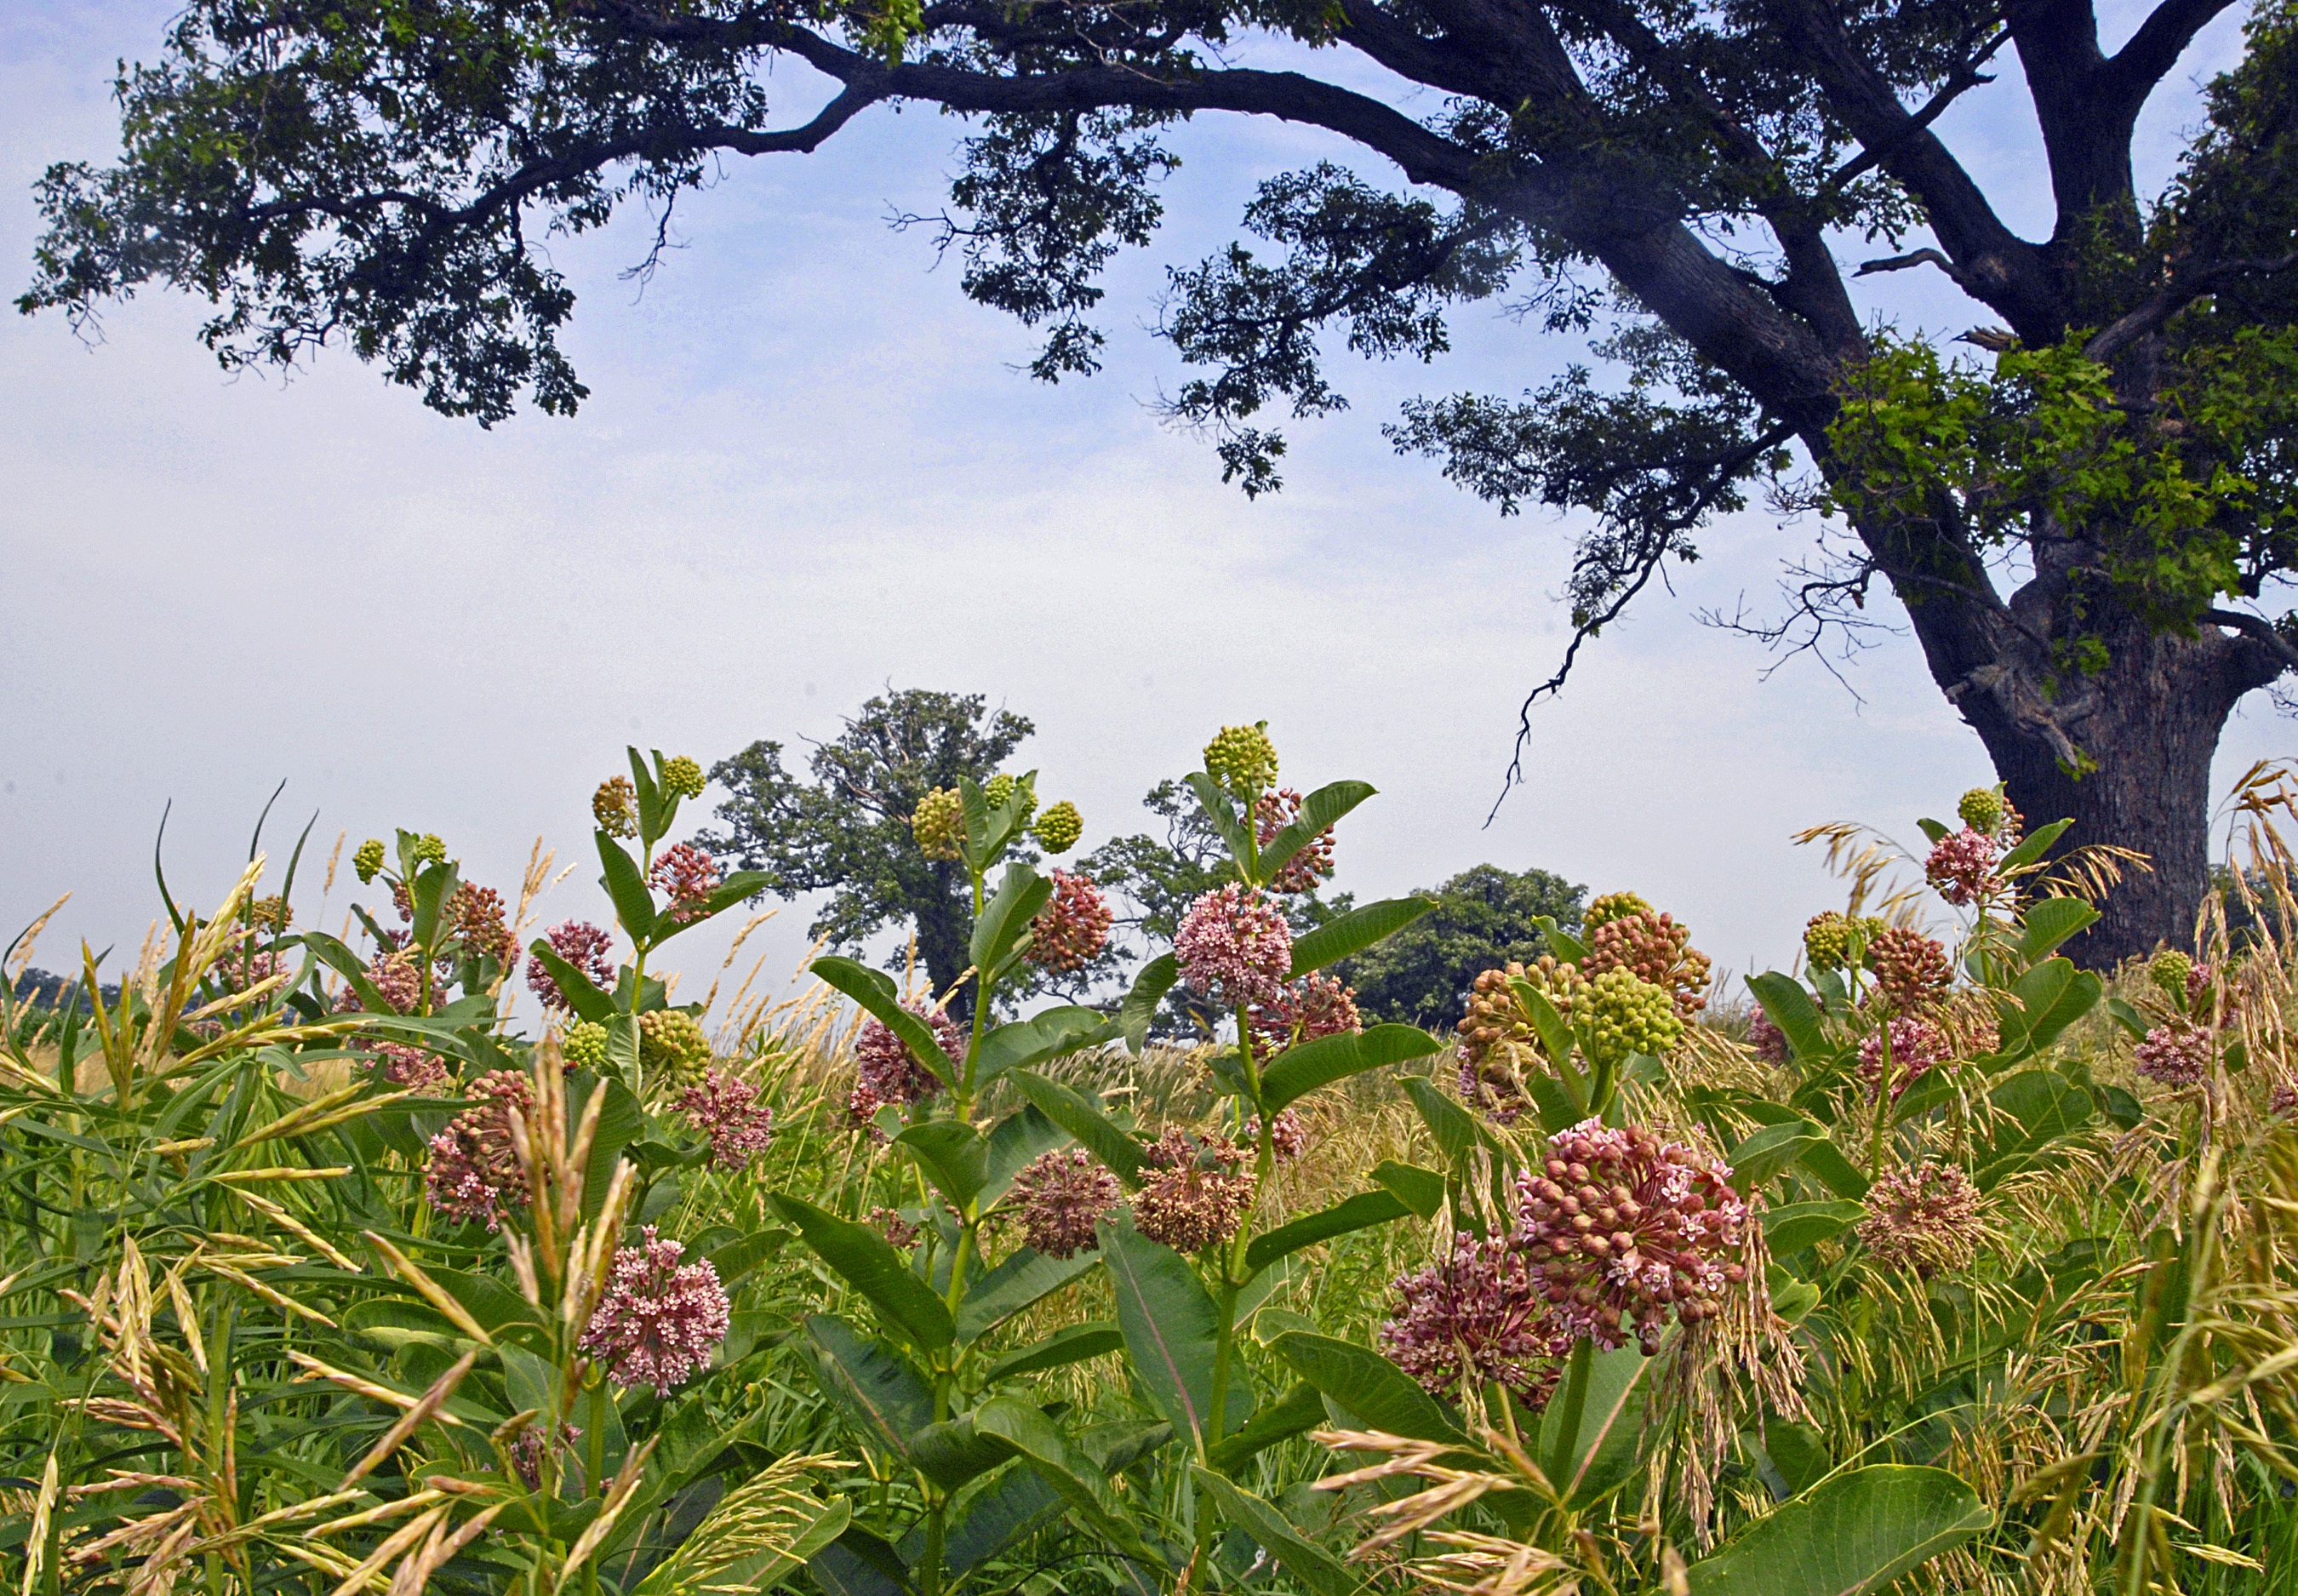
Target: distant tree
(848, 829)
(1484, 918)
(1160, 878)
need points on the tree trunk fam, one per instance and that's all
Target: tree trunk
(2151, 721)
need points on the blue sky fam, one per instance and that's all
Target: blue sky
(809, 469)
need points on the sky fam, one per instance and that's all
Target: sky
(810, 470)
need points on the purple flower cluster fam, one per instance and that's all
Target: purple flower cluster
(1474, 1313)
(887, 1074)
(1198, 1195)
(399, 984)
(1313, 863)
(1314, 1006)
(1918, 1046)
(527, 1450)
(1288, 1135)
(727, 1109)
(687, 876)
(1073, 928)
(900, 1234)
(1924, 1218)
(1233, 943)
(1962, 867)
(659, 1320)
(1058, 1196)
(474, 1173)
(1622, 1228)
(582, 944)
(2177, 1055)
(1912, 972)
(1769, 1041)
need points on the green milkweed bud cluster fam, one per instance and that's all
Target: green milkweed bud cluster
(615, 807)
(1243, 759)
(1621, 1014)
(681, 777)
(1983, 809)
(1000, 790)
(584, 1046)
(1828, 938)
(1609, 907)
(367, 860)
(1058, 829)
(671, 1044)
(938, 822)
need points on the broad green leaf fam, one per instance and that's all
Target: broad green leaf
(1795, 1226)
(1020, 893)
(1041, 1036)
(2037, 844)
(1117, 1446)
(621, 1123)
(1307, 1562)
(1418, 1189)
(874, 991)
(1589, 1430)
(1074, 1345)
(1067, 1471)
(954, 1451)
(1321, 808)
(1360, 1212)
(880, 1391)
(633, 903)
(1170, 1325)
(1078, 1114)
(1791, 1009)
(1139, 1010)
(1799, 1452)
(1567, 948)
(1768, 1151)
(1025, 1276)
(1220, 809)
(652, 821)
(1297, 1412)
(953, 1154)
(1447, 1122)
(735, 889)
(1355, 932)
(486, 1299)
(1015, 1142)
(1856, 1532)
(1009, 1506)
(2039, 1107)
(1365, 1383)
(2133, 1023)
(861, 1255)
(1299, 1071)
(582, 996)
(331, 952)
(1937, 830)
(842, 1568)
(1555, 1034)
(2051, 921)
(1834, 1172)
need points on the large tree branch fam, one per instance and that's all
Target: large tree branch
(2131, 74)
(2261, 631)
(2185, 287)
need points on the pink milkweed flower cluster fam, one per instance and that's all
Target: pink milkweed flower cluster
(474, 1173)
(727, 1109)
(1234, 944)
(687, 876)
(1198, 1195)
(1059, 1197)
(1769, 1041)
(659, 1320)
(1073, 927)
(1313, 864)
(2176, 1055)
(1962, 867)
(1623, 1229)
(1314, 1006)
(1924, 1218)
(528, 1449)
(399, 984)
(582, 944)
(1288, 1134)
(887, 1073)
(1474, 1312)
(1918, 1046)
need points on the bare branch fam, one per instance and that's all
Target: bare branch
(2260, 631)
(2184, 288)
(2131, 74)
(1924, 257)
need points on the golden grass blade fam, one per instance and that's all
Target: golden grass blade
(406, 1535)
(618, 1497)
(437, 1295)
(428, 1403)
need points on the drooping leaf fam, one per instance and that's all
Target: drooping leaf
(1355, 932)
(1791, 1008)
(1042, 1035)
(1020, 893)
(1011, 1506)
(1015, 1142)
(1360, 1212)
(1418, 1189)
(953, 1156)
(1303, 1558)
(1839, 1174)
(2051, 921)
(1071, 1344)
(879, 1390)
(874, 991)
(1023, 1278)
(1320, 809)
(583, 994)
(1367, 1385)
(1139, 1009)
(1078, 1114)
(1855, 1534)
(954, 1451)
(1170, 1325)
(1297, 1412)
(1791, 1227)
(861, 1256)
(858, 1564)
(633, 903)
(1220, 809)
(1067, 1471)
(2036, 843)
(1299, 1071)
(1454, 1131)
(1768, 1150)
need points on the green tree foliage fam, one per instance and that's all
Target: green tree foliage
(1674, 185)
(1486, 918)
(847, 831)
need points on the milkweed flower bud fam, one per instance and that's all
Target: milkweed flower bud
(2170, 971)
(583, 1045)
(938, 822)
(2282, 1102)
(1073, 928)
(1234, 942)
(1962, 867)
(1912, 972)
(615, 807)
(1619, 1015)
(900, 1232)
(727, 1109)
(1612, 906)
(476, 914)
(2176, 1055)
(659, 1320)
(1058, 1196)
(429, 849)
(474, 1173)
(1243, 759)
(1496, 1034)
(1982, 809)
(681, 777)
(1058, 829)
(672, 1043)
(582, 944)
(1828, 938)
(528, 1447)
(1313, 864)
(367, 860)
(1657, 949)
(1623, 1229)
(1924, 1218)
(1315, 1007)
(1474, 1313)
(1917, 1045)
(1288, 1136)
(1198, 1195)
(1001, 790)
(1769, 1041)
(887, 1072)
(687, 876)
